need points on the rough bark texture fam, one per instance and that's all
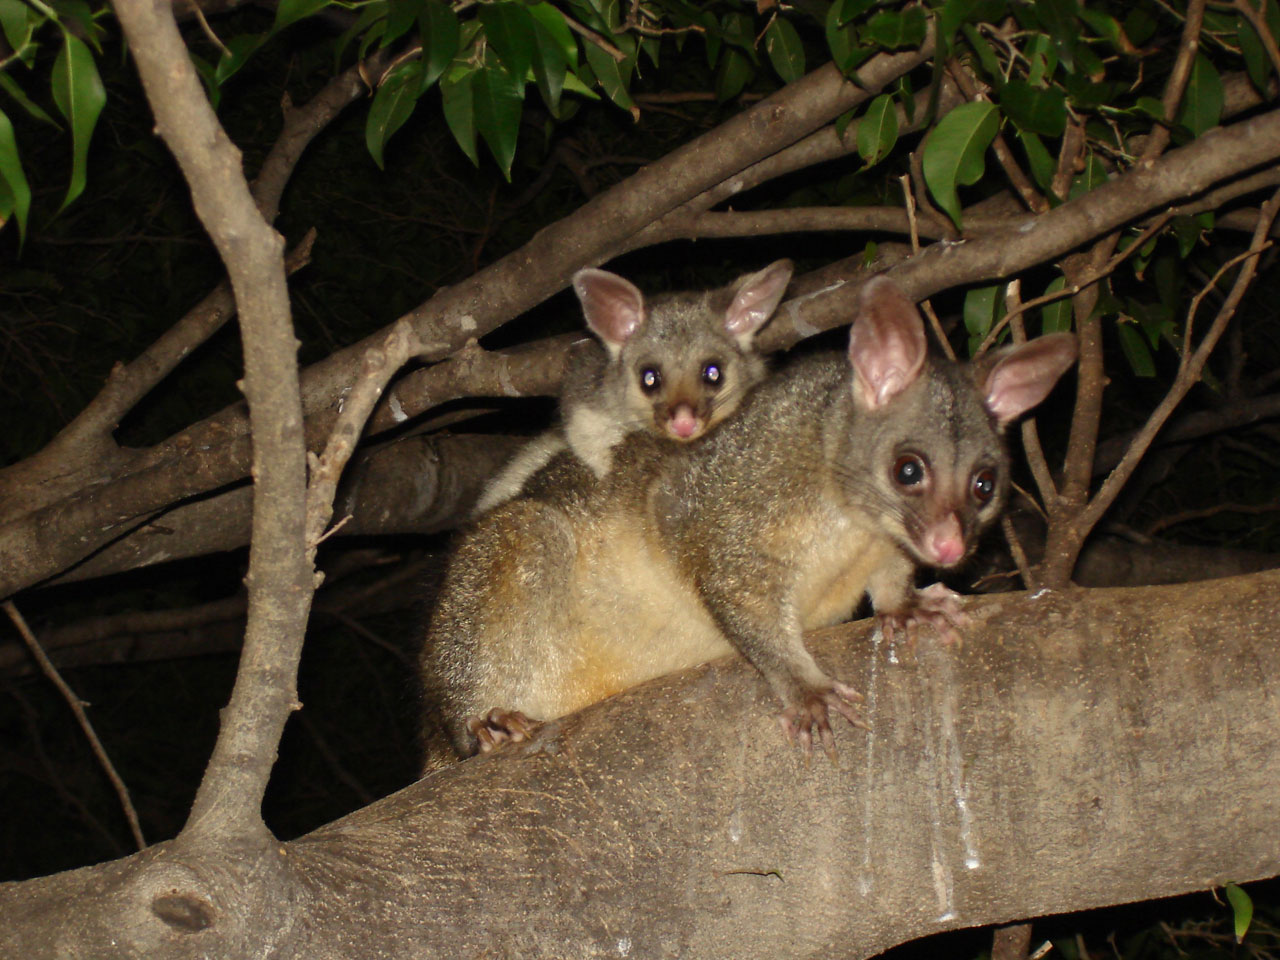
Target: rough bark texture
(1079, 749)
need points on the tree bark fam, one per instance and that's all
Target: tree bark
(1080, 749)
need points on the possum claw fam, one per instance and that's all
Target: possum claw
(935, 605)
(800, 720)
(501, 726)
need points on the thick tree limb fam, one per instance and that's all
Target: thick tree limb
(1069, 755)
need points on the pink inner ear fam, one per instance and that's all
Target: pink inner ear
(614, 308)
(1026, 374)
(757, 297)
(886, 345)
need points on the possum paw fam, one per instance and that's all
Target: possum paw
(801, 719)
(501, 726)
(935, 605)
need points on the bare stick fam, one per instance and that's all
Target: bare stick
(925, 306)
(77, 707)
(1034, 453)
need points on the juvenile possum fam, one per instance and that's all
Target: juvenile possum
(838, 477)
(675, 364)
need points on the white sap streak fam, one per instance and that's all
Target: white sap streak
(942, 886)
(864, 881)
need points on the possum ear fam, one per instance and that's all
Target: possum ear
(1024, 375)
(614, 308)
(886, 344)
(755, 297)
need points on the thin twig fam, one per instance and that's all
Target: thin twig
(925, 305)
(1019, 555)
(77, 707)
(1031, 447)
(592, 37)
(208, 30)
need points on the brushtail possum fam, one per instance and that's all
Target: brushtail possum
(838, 476)
(675, 364)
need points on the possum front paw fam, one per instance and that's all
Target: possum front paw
(801, 719)
(501, 726)
(935, 605)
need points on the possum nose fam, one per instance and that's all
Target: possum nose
(682, 421)
(944, 542)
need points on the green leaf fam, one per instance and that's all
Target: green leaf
(1106, 26)
(1093, 175)
(80, 16)
(239, 50)
(574, 84)
(370, 13)
(1033, 109)
(842, 41)
(1058, 17)
(1187, 232)
(1241, 909)
(842, 122)
(15, 179)
(983, 306)
(1256, 61)
(878, 130)
(10, 86)
(459, 108)
(610, 75)
(893, 30)
(734, 72)
(847, 10)
(905, 94)
(1041, 59)
(552, 21)
(740, 31)
(1043, 166)
(712, 36)
(987, 58)
(1136, 350)
(1202, 100)
(549, 67)
(1139, 26)
(79, 95)
(1088, 63)
(509, 29)
(441, 40)
(499, 100)
(291, 11)
(401, 15)
(392, 105)
(953, 152)
(652, 49)
(1056, 317)
(19, 22)
(786, 52)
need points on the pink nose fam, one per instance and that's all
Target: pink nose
(944, 542)
(682, 422)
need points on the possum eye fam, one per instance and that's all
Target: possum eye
(650, 380)
(908, 470)
(984, 485)
(712, 374)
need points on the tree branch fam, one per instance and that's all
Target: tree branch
(228, 802)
